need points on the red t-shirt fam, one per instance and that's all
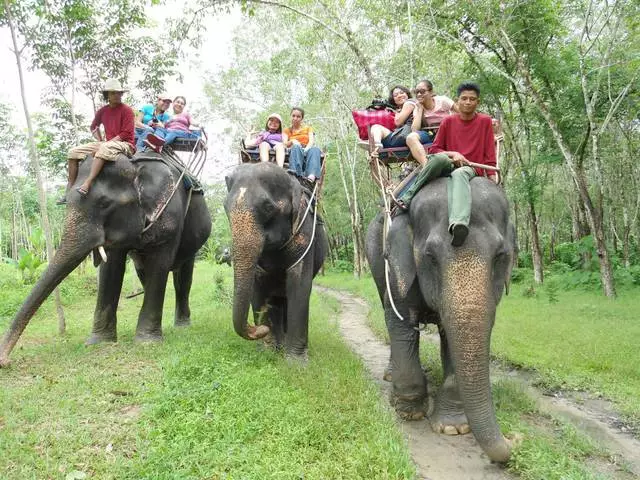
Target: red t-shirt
(473, 138)
(118, 121)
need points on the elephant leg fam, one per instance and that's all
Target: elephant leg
(298, 291)
(409, 383)
(111, 275)
(448, 416)
(278, 316)
(182, 279)
(156, 269)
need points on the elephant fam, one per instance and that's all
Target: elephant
(277, 250)
(122, 214)
(458, 289)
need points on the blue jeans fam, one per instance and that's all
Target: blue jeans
(170, 135)
(141, 135)
(305, 163)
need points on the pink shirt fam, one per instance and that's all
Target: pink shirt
(179, 122)
(442, 108)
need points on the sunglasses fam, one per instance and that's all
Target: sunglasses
(421, 91)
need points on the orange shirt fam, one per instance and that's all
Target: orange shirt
(302, 134)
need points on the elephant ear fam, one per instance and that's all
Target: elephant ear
(512, 248)
(154, 183)
(399, 253)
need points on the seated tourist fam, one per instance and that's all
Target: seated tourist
(304, 156)
(118, 120)
(270, 138)
(462, 138)
(429, 112)
(177, 127)
(150, 117)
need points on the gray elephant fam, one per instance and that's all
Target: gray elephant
(279, 244)
(457, 288)
(115, 219)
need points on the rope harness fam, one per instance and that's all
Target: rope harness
(300, 224)
(197, 158)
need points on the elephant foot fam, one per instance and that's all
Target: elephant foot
(409, 407)
(449, 424)
(97, 338)
(148, 337)
(182, 322)
(448, 416)
(387, 375)
(298, 358)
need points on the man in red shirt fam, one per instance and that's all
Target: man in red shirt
(462, 138)
(118, 121)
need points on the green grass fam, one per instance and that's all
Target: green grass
(581, 342)
(203, 404)
(572, 340)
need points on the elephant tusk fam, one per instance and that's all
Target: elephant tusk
(103, 254)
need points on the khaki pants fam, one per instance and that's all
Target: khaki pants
(107, 151)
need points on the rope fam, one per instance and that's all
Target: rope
(313, 235)
(385, 231)
(299, 226)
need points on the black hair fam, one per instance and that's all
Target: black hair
(391, 101)
(180, 96)
(105, 96)
(427, 83)
(298, 109)
(468, 86)
(266, 125)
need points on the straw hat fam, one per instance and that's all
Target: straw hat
(113, 85)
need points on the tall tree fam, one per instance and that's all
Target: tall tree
(33, 155)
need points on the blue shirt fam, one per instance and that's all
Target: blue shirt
(147, 111)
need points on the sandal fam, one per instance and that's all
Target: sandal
(61, 201)
(83, 193)
(400, 204)
(153, 147)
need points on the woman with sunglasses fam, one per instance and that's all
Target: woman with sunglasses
(429, 112)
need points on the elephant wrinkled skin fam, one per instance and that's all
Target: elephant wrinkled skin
(458, 288)
(111, 218)
(264, 205)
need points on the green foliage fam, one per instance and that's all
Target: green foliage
(27, 264)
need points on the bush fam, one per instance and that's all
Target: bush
(518, 275)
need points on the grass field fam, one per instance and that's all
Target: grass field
(203, 404)
(570, 340)
(206, 404)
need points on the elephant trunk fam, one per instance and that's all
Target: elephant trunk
(248, 241)
(468, 317)
(75, 247)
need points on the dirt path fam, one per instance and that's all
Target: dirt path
(441, 457)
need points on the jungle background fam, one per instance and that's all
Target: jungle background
(562, 77)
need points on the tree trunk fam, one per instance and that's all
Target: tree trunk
(536, 250)
(33, 155)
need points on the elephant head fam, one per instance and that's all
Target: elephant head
(262, 206)
(112, 215)
(463, 285)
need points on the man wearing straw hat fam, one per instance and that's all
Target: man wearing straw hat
(118, 121)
